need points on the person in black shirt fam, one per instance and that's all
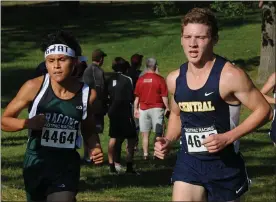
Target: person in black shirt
(134, 73)
(121, 125)
(93, 76)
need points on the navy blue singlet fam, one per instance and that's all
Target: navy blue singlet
(202, 110)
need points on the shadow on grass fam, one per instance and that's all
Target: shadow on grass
(106, 22)
(11, 81)
(261, 170)
(14, 163)
(249, 64)
(100, 22)
(158, 176)
(262, 130)
(9, 141)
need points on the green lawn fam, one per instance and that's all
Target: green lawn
(122, 30)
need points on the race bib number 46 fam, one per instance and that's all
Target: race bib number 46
(195, 137)
(59, 138)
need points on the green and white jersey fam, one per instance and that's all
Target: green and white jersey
(63, 118)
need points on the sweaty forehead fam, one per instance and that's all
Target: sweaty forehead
(196, 29)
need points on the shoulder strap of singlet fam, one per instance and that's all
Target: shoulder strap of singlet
(183, 69)
(85, 97)
(219, 64)
(214, 77)
(39, 96)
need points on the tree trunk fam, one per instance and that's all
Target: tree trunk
(268, 53)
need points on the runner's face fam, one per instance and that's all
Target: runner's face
(197, 42)
(59, 66)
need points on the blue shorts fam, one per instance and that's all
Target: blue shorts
(223, 180)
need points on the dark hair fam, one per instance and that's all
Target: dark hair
(120, 65)
(61, 37)
(98, 55)
(136, 59)
(202, 16)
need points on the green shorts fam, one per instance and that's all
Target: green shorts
(46, 174)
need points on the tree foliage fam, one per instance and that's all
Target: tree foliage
(165, 8)
(229, 8)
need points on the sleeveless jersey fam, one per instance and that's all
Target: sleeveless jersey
(203, 112)
(63, 118)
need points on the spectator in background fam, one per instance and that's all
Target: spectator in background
(121, 123)
(94, 77)
(134, 73)
(135, 64)
(151, 103)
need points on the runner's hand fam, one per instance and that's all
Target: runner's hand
(161, 147)
(96, 155)
(36, 123)
(216, 142)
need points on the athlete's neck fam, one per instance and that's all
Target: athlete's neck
(203, 65)
(66, 88)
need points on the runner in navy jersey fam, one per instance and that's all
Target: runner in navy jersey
(208, 167)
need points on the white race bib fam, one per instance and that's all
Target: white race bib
(59, 138)
(195, 137)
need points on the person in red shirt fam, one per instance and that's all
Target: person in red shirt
(151, 103)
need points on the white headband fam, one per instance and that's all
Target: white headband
(59, 49)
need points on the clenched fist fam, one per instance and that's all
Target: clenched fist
(96, 155)
(37, 122)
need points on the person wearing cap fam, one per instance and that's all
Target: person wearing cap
(151, 103)
(121, 122)
(93, 76)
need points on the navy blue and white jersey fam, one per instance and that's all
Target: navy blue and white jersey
(203, 112)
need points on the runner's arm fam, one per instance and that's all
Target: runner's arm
(10, 121)
(270, 83)
(88, 126)
(174, 124)
(164, 93)
(245, 91)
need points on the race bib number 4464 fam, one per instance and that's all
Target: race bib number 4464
(59, 138)
(195, 137)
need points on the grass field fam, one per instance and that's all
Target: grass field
(122, 30)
